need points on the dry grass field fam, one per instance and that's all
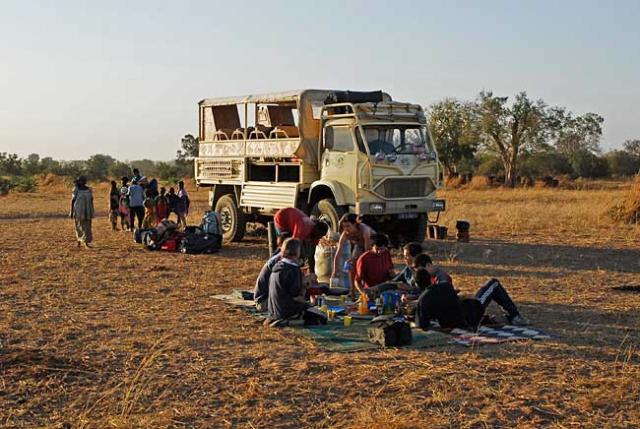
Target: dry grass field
(118, 337)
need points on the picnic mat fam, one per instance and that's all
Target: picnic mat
(336, 337)
(496, 335)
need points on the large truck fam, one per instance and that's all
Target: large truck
(326, 152)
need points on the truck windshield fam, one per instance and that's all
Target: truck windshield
(397, 139)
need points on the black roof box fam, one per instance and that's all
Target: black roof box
(354, 97)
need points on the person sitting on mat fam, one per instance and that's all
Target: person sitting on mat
(261, 290)
(286, 290)
(409, 253)
(374, 267)
(440, 301)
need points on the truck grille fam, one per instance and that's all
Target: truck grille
(405, 188)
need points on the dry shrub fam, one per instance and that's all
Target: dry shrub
(629, 210)
(454, 182)
(480, 182)
(50, 180)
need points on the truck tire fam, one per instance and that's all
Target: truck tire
(327, 210)
(232, 221)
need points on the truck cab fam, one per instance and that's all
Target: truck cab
(326, 152)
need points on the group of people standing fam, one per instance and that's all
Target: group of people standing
(143, 201)
(284, 292)
(137, 203)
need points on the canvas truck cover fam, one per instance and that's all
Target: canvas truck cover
(309, 104)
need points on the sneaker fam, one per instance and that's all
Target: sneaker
(278, 323)
(518, 320)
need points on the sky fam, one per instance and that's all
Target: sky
(124, 77)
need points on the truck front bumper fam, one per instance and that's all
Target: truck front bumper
(397, 207)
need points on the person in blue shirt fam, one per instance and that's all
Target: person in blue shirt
(136, 203)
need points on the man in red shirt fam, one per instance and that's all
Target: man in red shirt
(299, 225)
(374, 266)
(302, 227)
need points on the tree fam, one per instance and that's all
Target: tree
(10, 164)
(98, 166)
(633, 147)
(622, 163)
(574, 133)
(31, 164)
(119, 169)
(189, 149)
(508, 130)
(545, 160)
(455, 133)
(587, 164)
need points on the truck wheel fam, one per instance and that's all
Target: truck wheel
(418, 230)
(232, 221)
(327, 210)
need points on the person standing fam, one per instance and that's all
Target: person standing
(183, 205)
(135, 193)
(82, 211)
(124, 204)
(162, 205)
(359, 236)
(150, 219)
(114, 205)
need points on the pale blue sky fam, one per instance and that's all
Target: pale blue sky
(124, 77)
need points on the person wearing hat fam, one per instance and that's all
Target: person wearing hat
(82, 211)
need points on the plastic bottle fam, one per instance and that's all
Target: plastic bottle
(379, 305)
(363, 307)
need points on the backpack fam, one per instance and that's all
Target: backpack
(390, 333)
(473, 312)
(210, 223)
(164, 228)
(201, 243)
(139, 233)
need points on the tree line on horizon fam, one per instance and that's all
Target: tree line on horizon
(488, 136)
(493, 136)
(20, 173)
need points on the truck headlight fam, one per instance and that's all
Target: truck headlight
(437, 205)
(376, 207)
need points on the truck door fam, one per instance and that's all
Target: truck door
(340, 158)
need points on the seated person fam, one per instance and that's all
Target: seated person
(374, 267)
(261, 290)
(286, 290)
(409, 252)
(440, 301)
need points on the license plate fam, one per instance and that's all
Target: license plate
(408, 216)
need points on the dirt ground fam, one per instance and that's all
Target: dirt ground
(121, 337)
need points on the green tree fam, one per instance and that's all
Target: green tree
(587, 164)
(189, 145)
(455, 132)
(510, 129)
(31, 164)
(633, 147)
(571, 133)
(622, 163)
(119, 169)
(98, 166)
(10, 164)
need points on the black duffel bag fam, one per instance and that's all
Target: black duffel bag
(196, 244)
(390, 333)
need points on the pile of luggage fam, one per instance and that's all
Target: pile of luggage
(205, 238)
